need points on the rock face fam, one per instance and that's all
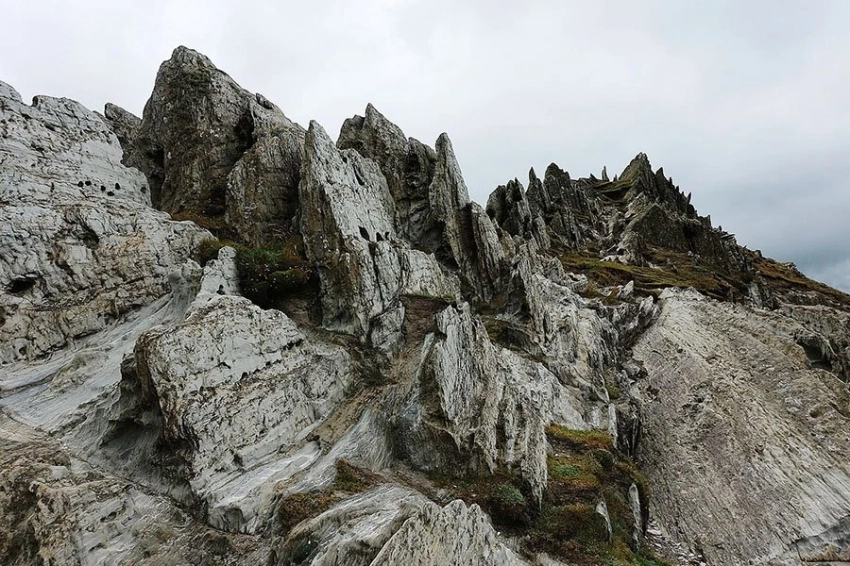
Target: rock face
(439, 383)
(212, 150)
(81, 244)
(238, 388)
(455, 534)
(755, 469)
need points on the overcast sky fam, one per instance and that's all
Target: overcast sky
(744, 104)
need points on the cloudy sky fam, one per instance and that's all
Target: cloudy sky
(744, 104)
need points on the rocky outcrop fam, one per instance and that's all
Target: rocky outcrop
(82, 247)
(448, 380)
(354, 531)
(478, 407)
(350, 236)
(509, 209)
(213, 151)
(239, 389)
(58, 510)
(432, 210)
(755, 469)
(453, 535)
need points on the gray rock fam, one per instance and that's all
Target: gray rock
(353, 532)
(81, 246)
(759, 437)
(239, 390)
(455, 535)
(211, 149)
(57, 510)
(470, 393)
(349, 234)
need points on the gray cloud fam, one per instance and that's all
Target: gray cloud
(743, 104)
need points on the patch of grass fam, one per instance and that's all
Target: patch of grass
(501, 494)
(670, 269)
(582, 439)
(265, 274)
(351, 479)
(786, 279)
(641, 560)
(298, 507)
(584, 468)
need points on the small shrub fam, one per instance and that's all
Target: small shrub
(297, 507)
(266, 274)
(613, 390)
(352, 479)
(605, 458)
(508, 494)
(508, 505)
(564, 472)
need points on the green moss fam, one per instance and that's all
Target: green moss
(604, 457)
(641, 560)
(563, 471)
(508, 494)
(584, 468)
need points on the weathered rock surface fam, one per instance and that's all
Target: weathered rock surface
(349, 234)
(239, 390)
(452, 535)
(212, 150)
(755, 469)
(81, 245)
(152, 415)
(58, 510)
(353, 532)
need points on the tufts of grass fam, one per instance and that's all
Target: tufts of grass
(268, 274)
(670, 269)
(298, 507)
(582, 439)
(786, 278)
(613, 390)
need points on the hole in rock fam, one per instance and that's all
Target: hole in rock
(21, 285)
(364, 232)
(816, 357)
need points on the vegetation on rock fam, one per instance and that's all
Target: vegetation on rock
(584, 469)
(266, 275)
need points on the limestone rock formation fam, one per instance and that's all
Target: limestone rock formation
(761, 433)
(82, 246)
(436, 383)
(211, 149)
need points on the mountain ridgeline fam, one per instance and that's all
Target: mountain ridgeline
(227, 339)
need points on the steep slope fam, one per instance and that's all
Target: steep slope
(436, 383)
